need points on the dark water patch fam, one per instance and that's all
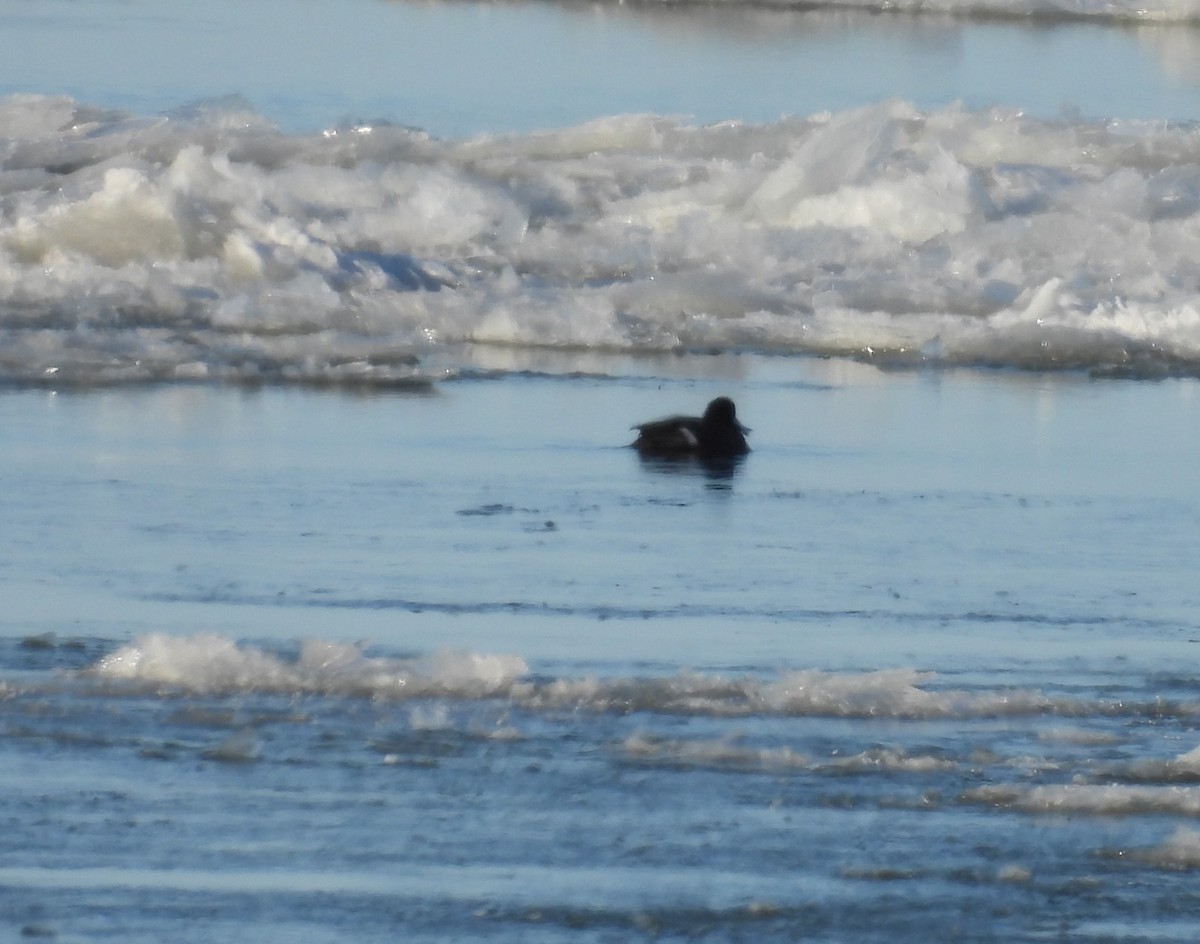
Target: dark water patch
(797, 615)
(486, 511)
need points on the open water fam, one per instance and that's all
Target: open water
(333, 606)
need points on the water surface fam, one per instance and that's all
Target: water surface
(333, 605)
(458, 69)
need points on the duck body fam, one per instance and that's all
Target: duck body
(715, 435)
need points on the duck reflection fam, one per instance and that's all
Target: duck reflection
(717, 472)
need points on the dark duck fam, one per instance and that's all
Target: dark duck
(715, 435)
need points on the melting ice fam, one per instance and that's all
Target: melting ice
(214, 664)
(1168, 11)
(206, 244)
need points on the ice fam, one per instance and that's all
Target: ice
(723, 752)
(891, 692)
(1180, 851)
(212, 663)
(733, 751)
(210, 245)
(1165, 11)
(1095, 799)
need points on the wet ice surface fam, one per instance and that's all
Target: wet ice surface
(460, 665)
(206, 245)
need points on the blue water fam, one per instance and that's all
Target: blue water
(333, 605)
(457, 69)
(917, 670)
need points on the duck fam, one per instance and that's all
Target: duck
(715, 435)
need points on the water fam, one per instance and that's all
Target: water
(447, 662)
(459, 69)
(333, 606)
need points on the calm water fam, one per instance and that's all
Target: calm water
(919, 667)
(333, 606)
(458, 69)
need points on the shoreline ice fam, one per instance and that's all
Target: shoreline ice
(206, 245)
